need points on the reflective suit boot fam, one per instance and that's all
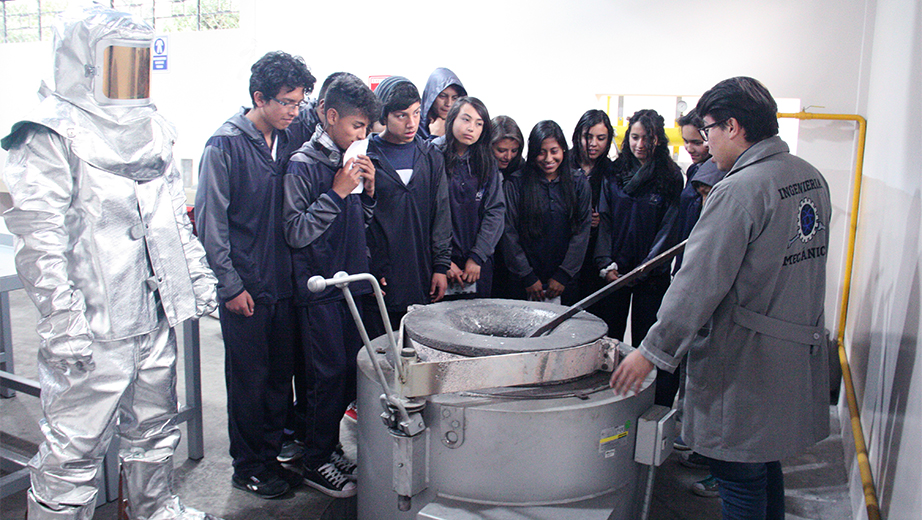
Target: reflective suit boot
(149, 486)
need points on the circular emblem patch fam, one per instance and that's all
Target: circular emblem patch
(807, 223)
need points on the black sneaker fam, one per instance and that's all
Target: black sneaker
(292, 478)
(264, 485)
(291, 451)
(330, 481)
(344, 465)
(693, 460)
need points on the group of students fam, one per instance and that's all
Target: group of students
(442, 203)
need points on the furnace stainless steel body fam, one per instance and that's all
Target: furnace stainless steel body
(481, 421)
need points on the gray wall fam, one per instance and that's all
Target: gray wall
(883, 327)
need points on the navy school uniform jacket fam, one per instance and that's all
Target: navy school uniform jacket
(409, 237)
(326, 232)
(478, 212)
(558, 253)
(238, 212)
(689, 209)
(633, 229)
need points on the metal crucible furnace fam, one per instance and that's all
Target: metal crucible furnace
(481, 421)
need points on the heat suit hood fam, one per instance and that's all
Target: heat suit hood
(101, 99)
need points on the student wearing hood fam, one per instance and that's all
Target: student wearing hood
(409, 237)
(442, 90)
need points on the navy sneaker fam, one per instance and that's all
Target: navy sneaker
(693, 460)
(707, 488)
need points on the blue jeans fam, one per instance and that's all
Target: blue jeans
(750, 491)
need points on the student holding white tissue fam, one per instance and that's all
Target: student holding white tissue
(325, 225)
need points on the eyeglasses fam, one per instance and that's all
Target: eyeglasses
(288, 104)
(705, 130)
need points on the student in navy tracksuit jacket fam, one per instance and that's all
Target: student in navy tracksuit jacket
(690, 200)
(443, 88)
(638, 208)
(238, 214)
(325, 225)
(310, 117)
(409, 237)
(507, 145)
(547, 219)
(592, 140)
(478, 207)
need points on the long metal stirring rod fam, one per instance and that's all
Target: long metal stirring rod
(658, 260)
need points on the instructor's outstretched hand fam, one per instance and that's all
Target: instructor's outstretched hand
(630, 373)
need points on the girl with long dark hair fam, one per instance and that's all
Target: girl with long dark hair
(592, 140)
(638, 208)
(475, 193)
(547, 219)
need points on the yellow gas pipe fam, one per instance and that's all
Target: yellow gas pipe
(867, 480)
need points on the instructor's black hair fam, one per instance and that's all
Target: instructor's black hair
(746, 100)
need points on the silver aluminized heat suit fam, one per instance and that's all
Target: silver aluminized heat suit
(106, 252)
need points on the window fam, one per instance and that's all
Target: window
(31, 20)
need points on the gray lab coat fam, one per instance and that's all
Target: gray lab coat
(754, 282)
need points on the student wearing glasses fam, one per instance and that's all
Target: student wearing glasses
(238, 214)
(755, 277)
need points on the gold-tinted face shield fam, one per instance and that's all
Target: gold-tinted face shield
(123, 73)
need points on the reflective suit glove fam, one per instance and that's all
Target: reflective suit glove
(206, 296)
(66, 337)
(70, 354)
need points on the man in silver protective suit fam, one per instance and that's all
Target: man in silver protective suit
(106, 252)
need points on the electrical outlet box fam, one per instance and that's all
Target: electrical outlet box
(655, 435)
